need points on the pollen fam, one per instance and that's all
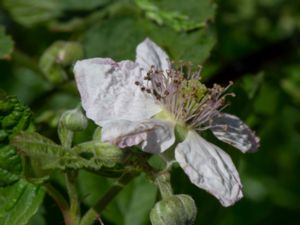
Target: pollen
(181, 93)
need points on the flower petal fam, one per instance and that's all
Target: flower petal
(108, 90)
(154, 136)
(150, 54)
(232, 130)
(209, 168)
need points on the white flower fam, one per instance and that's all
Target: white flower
(123, 98)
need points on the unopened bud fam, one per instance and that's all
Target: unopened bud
(174, 210)
(74, 120)
(69, 52)
(56, 57)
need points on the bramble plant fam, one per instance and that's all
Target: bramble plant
(110, 113)
(146, 107)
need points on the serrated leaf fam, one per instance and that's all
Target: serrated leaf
(50, 155)
(6, 44)
(174, 19)
(19, 199)
(10, 166)
(196, 10)
(42, 148)
(14, 117)
(108, 39)
(19, 202)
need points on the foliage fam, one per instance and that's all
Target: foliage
(252, 42)
(19, 198)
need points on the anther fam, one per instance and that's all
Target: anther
(137, 83)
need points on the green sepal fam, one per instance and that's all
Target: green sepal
(90, 155)
(98, 152)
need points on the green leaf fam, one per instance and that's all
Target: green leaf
(33, 12)
(83, 5)
(174, 19)
(19, 199)
(117, 38)
(291, 82)
(196, 10)
(50, 154)
(10, 166)
(38, 218)
(19, 202)
(14, 117)
(133, 204)
(6, 44)
(53, 156)
(130, 207)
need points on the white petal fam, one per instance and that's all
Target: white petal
(154, 136)
(232, 130)
(209, 168)
(108, 90)
(150, 54)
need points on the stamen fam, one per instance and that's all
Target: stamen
(180, 91)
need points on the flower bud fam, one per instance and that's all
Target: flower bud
(59, 55)
(174, 210)
(74, 120)
(68, 52)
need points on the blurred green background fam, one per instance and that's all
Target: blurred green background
(254, 43)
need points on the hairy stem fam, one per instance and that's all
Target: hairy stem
(73, 196)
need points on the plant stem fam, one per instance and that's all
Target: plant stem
(73, 197)
(92, 214)
(61, 202)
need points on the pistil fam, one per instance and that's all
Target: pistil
(181, 93)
